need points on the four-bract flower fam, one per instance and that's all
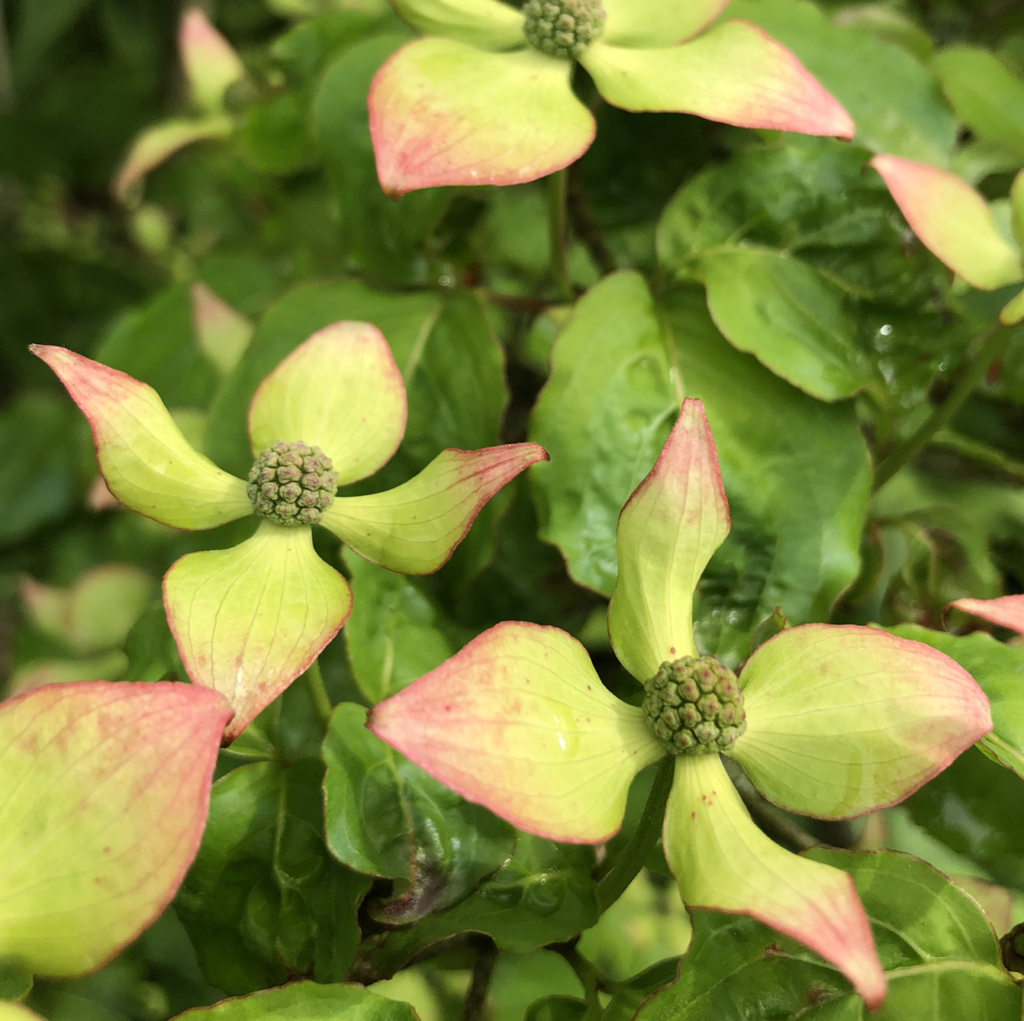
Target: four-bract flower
(828, 721)
(250, 619)
(487, 98)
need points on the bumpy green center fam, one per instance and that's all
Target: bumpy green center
(292, 484)
(694, 705)
(563, 28)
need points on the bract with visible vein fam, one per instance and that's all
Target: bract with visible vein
(519, 722)
(721, 860)
(443, 112)
(842, 720)
(103, 801)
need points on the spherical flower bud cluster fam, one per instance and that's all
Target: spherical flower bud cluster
(292, 484)
(563, 28)
(694, 705)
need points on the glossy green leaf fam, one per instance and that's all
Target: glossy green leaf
(146, 461)
(937, 948)
(986, 95)
(264, 899)
(248, 620)
(396, 632)
(667, 532)
(520, 722)
(843, 719)
(487, 24)
(443, 113)
(999, 670)
(721, 860)
(105, 797)
(415, 527)
(907, 117)
(603, 417)
(792, 318)
(385, 817)
(733, 73)
(542, 894)
(306, 1001)
(339, 390)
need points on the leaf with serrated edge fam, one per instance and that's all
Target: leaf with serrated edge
(952, 220)
(844, 719)
(248, 620)
(146, 461)
(519, 722)
(105, 794)
(339, 390)
(667, 531)
(735, 73)
(415, 527)
(442, 113)
(722, 861)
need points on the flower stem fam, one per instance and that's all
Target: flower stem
(318, 693)
(483, 968)
(587, 975)
(558, 189)
(981, 353)
(612, 882)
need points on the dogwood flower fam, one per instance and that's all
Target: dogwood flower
(487, 97)
(829, 721)
(248, 620)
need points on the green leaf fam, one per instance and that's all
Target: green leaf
(306, 1001)
(795, 471)
(396, 632)
(157, 344)
(385, 237)
(905, 117)
(275, 134)
(790, 317)
(15, 981)
(603, 416)
(938, 950)
(999, 669)
(986, 95)
(386, 817)
(40, 485)
(263, 899)
(543, 894)
(556, 1008)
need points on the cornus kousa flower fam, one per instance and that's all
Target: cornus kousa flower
(487, 97)
(250, 619)
(829, 721)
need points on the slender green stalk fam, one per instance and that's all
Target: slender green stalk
(613, 880)
(483, 968)
(588, 976)
(318, 693)
(983, 351)
(558, 190)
